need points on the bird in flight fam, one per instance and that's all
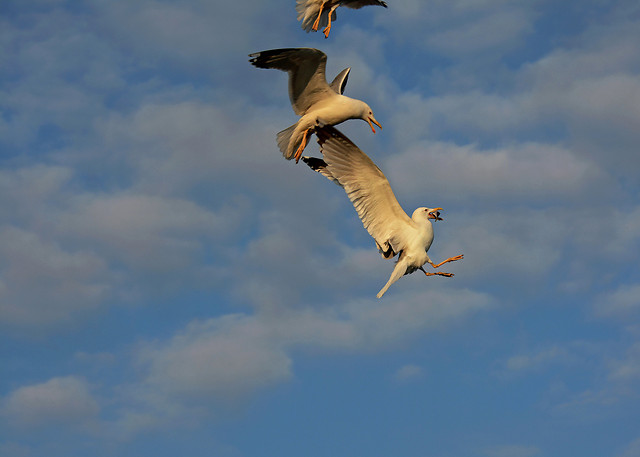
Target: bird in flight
(320, 13)
(316, 101)
(382, 216)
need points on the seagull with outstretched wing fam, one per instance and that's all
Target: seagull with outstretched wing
(382, 216)
(316, 101)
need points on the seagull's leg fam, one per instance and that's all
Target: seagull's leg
(314, 27)
(305, 137)
(437, 273)
(327, 29)
(450, 259)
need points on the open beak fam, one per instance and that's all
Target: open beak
(371, 120)
(435, 214)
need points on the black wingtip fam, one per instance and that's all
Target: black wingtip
(314, 163)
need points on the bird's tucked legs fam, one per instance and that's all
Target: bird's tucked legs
(450, 259)
(305, 138)
(327, 29)
(314, 27)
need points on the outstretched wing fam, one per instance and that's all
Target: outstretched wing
(306, 68)
(367, 188)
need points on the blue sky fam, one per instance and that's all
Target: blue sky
(169, 285)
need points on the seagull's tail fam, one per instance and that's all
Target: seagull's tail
(284, 138)
(308, 12)
(397, 273)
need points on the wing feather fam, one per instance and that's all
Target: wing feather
(340, 81)
(367, 188)
(306, 68)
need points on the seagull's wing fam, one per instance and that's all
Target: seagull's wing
(320, 166)
(340, 82)
(356, 4)
(367, 188)
(306, 67)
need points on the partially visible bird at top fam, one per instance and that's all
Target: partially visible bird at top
(382, 216)
(312, 98)
(320, 13)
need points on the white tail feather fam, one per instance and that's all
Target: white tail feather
(397, 273)
(284, 138)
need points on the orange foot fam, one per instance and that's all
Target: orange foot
(327, 29)
(450, 259)
(439, 273)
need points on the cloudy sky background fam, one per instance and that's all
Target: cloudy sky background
(170, 285)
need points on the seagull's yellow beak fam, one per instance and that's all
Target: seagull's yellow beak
(372, 120)
(435, 214)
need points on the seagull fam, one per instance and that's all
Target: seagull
(382, 216)
(324, 11)
(312, 98)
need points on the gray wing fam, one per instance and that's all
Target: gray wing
(306, 68)
(340, 82)
(367, 188)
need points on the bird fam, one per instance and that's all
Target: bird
(315, 13)
(382, 216)
(317, 102)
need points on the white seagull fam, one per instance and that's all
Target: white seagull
(314, 13)
(366, 186)
(312, 98)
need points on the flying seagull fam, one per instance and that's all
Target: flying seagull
(366, 186)
(314, 13)
(312, 98)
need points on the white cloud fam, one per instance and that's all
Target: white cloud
(523, 171)
(147, 233)
(214, 361)
(500, 29)
(632, 449)
(535, 361)
(59, 401)
(622, 302)
(43, 283)
(226, 356)
(456, 28)
(628, 369)
(408, 373)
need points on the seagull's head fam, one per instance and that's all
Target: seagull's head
(366, 114)
(427, 213)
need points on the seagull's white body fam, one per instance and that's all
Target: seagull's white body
(382, 216)
(320, 13)
(317, 102)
